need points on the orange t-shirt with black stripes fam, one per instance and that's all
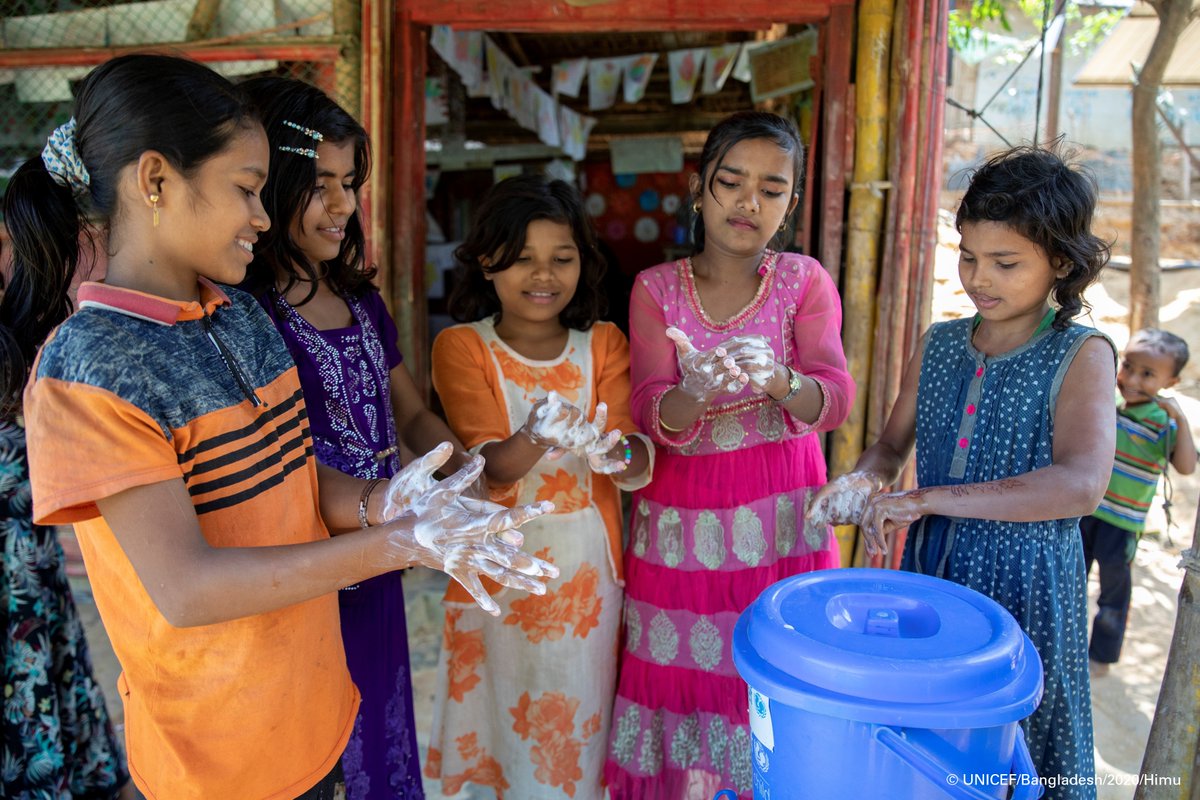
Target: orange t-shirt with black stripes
(134, 389)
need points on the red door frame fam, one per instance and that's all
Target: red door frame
(406, 143)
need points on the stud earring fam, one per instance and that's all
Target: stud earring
(154, 206)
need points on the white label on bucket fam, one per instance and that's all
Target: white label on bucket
(760, 719)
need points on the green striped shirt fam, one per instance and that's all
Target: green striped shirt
(1145, 434)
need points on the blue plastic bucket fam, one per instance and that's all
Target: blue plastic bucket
(868, 683)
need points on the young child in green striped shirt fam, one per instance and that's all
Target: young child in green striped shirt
(1151, 431)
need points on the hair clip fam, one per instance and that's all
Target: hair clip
(300, 151)
(309, 132)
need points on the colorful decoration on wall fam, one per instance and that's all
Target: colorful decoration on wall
(595, 204)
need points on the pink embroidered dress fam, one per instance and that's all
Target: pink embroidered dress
(722, 520)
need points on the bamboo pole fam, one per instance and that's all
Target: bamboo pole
(1174, 743)
(891, 347)
(347, 22)
(864, 223)
(919, 316)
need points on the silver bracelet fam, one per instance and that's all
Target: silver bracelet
(363, 499)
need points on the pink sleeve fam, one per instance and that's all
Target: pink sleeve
(818, 341)
(652, 364)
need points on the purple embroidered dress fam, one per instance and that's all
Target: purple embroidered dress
(344, 374)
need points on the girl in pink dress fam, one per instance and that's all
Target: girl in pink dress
(736, 364)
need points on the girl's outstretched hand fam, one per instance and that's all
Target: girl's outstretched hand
(754, 356)
(556, 423)
(599, 453)
(888, 512)
(843, 500)
(705, 373)
(439, 527)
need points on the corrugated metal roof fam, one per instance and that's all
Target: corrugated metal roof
(1129, 43)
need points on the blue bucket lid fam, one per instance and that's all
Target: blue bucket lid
(888, 647)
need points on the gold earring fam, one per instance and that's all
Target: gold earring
(154, 205)
(696, 207)
(783, 225)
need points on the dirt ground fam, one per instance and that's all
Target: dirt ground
(1123, 702)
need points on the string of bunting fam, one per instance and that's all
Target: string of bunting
(486, 70)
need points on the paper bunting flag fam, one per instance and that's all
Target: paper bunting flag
(462, 51)
(499, 69)
(575, 129)
(604, 78)
(568, 77)
(547, 117)
(637, 75)
(741, 67)
(524, 102)
(685, 70)
(718, 63)
(440, 40)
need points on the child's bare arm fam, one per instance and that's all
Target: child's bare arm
(418, 428)
(1183, 457)
(842, 500)
(1073, 484)
(509, 460)
(193, 583)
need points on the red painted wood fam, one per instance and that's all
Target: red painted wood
(808, 219)
(407, 281)
(833, 163)
(91, 56)
(576, 16)
(373, 196)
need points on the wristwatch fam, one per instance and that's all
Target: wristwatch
(793, 386)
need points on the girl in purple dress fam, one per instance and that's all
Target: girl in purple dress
(308, 273)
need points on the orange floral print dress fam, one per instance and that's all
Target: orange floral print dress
(523, 700)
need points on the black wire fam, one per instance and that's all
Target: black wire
(1037, 106)
(973, 114)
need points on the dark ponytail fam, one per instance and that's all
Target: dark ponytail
(45, 229)
(123, 108)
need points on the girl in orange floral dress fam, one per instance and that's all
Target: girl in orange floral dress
(524, 699)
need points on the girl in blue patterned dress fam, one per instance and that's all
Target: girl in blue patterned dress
(1011, 413)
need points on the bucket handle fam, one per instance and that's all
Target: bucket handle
(1031, 789)
(928, 765)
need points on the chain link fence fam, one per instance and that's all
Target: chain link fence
(47, 46)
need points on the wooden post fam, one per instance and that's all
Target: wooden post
(374, 197)
(1174, 743)
(1054, 90)
(1145, 236)
(406, 280)
(837, 86)
(865, 223)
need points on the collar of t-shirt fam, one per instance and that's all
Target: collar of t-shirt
(1149, 411)
(149, 307)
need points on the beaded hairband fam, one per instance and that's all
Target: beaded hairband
(309, 132)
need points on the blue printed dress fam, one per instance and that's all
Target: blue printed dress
(983, 418)
(56, 739)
